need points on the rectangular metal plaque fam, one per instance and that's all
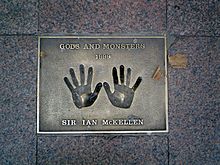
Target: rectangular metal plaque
(101, 84)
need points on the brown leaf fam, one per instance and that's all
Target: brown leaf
(42, 54)
(157, 74)
(178, 61)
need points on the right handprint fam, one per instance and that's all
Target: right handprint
(123, 95)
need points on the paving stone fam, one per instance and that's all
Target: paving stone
(18, 100)
(91, 16)
(193, 17)
(102, 150)
(18, 17)
(194, 103)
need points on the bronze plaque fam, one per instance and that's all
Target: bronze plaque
(102, 84)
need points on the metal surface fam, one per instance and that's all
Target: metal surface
(101, 84)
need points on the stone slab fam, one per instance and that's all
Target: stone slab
(103, 150)
(197, 18)
(194, 103)
(89, 16)
(18, 63)
(19, 17)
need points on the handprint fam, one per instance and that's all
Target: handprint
(123, 95)
(82, 94)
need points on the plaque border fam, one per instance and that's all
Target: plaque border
(103, 132)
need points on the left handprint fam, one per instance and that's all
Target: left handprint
(82, 94)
